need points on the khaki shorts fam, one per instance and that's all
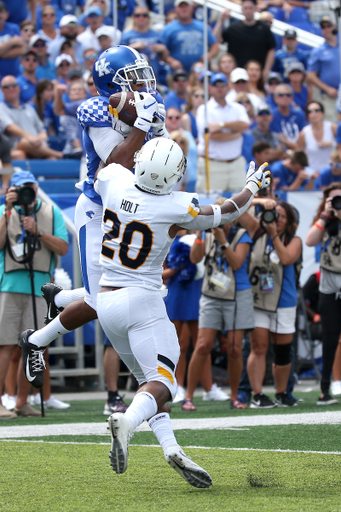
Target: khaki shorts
(16, 315)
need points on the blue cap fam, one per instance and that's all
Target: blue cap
(94, 9)
(22, 177)
(218, 77)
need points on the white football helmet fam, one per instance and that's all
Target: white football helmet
(159, 165)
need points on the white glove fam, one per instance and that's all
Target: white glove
(257, 180)
(146, 108)
(159, 124)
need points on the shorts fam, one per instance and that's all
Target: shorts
(88, 220)
(227, 315)
(16, 315)
(281, 321)
(136, 322)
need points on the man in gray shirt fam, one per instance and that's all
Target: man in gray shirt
(23, 126)
(262, 133)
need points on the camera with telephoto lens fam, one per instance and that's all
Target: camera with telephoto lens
(336, 202)
(268, 216)
(26, 195)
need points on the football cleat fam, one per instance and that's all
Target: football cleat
(121, 433)
(32, 359)
(50, 290)
(187, 469)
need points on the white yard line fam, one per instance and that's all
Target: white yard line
(76, 429)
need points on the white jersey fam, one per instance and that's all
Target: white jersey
(136, 226)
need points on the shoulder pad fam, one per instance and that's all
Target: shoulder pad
(94, 112)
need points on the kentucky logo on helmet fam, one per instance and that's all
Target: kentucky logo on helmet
(154, 176)
(101, 67)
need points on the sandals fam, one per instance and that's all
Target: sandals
(187, 405)
(235, 403)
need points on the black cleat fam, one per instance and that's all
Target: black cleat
(32, 360)
(49, 291)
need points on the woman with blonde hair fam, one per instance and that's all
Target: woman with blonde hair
(188, 119)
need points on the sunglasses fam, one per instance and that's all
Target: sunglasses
(181, 141)
(39, 45)
(273, 82)
(197, 69)
(180, 79)
(141, 15)
(282, 94)
(314, 110)
(198, 96)
(241, 82)
(264, 113)
(9, 85)
(173, 117)
(63, 64)
(48, 14)
(337, 166)
(92, 56)
(30, 59)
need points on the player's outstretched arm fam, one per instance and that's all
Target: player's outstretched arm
(211, 216)
(123, 153)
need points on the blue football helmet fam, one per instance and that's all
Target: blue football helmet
(119, 67)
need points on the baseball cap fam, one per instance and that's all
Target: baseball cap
(75, 73)
(68, 19)
(294, 66)
(290, 34)
(275, 76)
(180, 75)
(35, 38)
(264, 107)
(61, 58)
(105, 30)
(239, 74)
(94, 10)
(22, 177)
(178, 2)
(326, 19)
(218, 79)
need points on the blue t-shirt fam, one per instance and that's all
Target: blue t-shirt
(47, 71)
(27, 89)
(19, 280)
(283, 59)
(288, 297)
(301, 98)
(173, 100)
(290, 125)
(325, 61)
(68, 6)
(186, 42)
(326, 178)
(17, 10)
(9, 66)
(150, 37)
(287, 177)
(242, 275)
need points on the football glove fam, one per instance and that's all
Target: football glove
(146, 108)
(159, 121)
(257, 180)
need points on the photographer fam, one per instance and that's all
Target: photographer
(275, 251)
(326, 229)
(31, 232)
(225, 304)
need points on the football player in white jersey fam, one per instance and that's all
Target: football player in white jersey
(106, 139)
(141, 217)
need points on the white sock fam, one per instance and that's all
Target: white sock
(162, 428)
(63, 298)
(143, 406)
(43, 337)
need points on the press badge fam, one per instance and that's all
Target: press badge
(267, 283)
(220, 279)
(18, 250)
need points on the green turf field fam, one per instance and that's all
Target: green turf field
(268, 467)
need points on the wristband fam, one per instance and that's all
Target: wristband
(199, 241)
(217, 215)
(272, 239)
(316, 318)
(7, 213)
(318, 226)
(253, 187)
(225, 246)
(142, 124)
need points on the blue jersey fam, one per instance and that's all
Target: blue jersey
(27, 89)
(283, 59)
(326, 178)
(290, 125)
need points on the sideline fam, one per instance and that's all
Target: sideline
(76, 429)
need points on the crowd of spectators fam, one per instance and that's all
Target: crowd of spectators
(270, 98)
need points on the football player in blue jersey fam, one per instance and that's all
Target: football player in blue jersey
(106, 139)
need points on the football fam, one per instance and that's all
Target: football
(123, 104)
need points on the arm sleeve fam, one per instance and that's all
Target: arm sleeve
(104, 141)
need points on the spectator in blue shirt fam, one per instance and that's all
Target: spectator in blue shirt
(179, 96)
(68, 6)
(12, 45)
(287, 121)
(184, 38)
(27, 81)
(289, 53)
(289, 173)
(331, 173)
(303, 94)
(324, 68)
(43, 104)
(45, 68)
(145, 40)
